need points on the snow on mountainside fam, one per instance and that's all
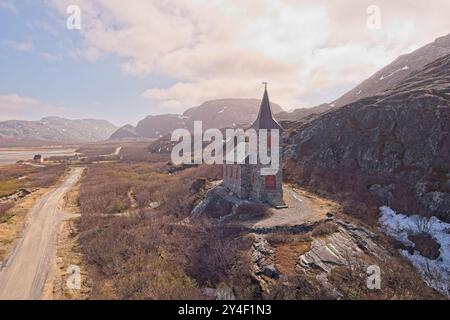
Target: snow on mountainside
(397, 71)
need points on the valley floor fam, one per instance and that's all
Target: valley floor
(133, 238)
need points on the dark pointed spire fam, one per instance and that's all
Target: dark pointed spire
(265, 119)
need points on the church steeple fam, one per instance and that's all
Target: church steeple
(265, 119)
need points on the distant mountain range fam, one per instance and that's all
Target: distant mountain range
(214, 114)
(231, 112)
(54, 130)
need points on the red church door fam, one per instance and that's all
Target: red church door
(271, 182)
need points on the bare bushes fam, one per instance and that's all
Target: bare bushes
(325, 229)
(136, 256)
(398, 282)
(252, 211)
(155, 255)
(46, 176)
(423, 223)
(104, 190)
(4, 207)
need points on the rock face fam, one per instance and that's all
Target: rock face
(222, 293)
(390, 149)
(397, 71)
(214, 114)
(341, 248)
(54, 129)
(217, 203)
(263, 266)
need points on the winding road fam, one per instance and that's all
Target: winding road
(23, 275)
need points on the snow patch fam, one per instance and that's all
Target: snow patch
(436, 273)
(392, 73)
(223, 110)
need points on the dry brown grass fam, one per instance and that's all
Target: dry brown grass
(17, 176)
(4, 207)
(324, 229)
(13, 221)
(287, 256)
(93, 150)
(399, 281)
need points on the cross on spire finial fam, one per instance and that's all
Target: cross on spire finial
(265, 84)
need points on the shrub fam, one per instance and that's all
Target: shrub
(325, 229)
(252, 211)
(4, 207)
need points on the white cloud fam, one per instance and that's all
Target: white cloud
(14, 106)
(218, 48)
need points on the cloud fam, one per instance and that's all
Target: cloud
(7, 5)
(218, 48)
(20, 46)
(14, 106)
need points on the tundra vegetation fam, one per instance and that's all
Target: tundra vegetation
(138, 243)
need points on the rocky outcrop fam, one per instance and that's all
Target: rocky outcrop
(390, 149)
(222, 293)
(342, 248)
(22, 193)
(263, 265)
(217, 203)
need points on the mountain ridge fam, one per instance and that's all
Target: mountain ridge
(56, 129)
(397, 71)
(219, 113)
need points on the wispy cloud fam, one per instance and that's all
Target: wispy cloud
(8, 5)
(20, 46)
(14, 106)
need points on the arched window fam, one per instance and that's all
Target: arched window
(271, 182)
(269, 140)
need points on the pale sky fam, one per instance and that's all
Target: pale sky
(139, 57)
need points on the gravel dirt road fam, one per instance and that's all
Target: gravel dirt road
(23, 274)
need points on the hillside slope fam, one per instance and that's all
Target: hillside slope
(394, 73)
(390, 149)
